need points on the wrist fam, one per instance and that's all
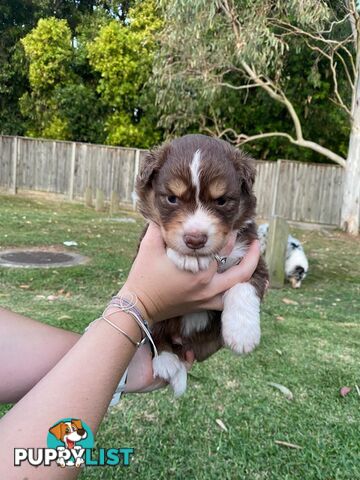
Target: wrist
(138, 299)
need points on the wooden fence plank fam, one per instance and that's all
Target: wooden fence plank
(297, 191)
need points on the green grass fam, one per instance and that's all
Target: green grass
(312, 347)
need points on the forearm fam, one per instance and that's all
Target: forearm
(80, 386)
(28, 350)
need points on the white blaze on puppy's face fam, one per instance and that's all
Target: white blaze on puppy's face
(195, 172)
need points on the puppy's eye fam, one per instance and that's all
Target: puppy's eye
(172, 199)
(221, 201)
(67, 430)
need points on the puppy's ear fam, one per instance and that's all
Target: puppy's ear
(57, 430)
(151, 165)
(245, 165)
(77, 423)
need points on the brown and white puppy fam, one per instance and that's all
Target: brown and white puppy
(69, 433)
(199, 190)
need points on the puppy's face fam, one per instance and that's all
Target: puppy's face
(296, 277)
(69, 432)
(198, 189)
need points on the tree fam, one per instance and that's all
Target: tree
(49, 51)
(17, 18)
(210, 48)
(122, 55)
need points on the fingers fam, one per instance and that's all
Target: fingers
(230, 244)
(239, 273)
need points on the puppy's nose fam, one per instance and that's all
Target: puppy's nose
(195, 240)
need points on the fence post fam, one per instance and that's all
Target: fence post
(276, 188)
(114, 204)
(136, 171)
(72, 171)
(99, 200)
(88, 197)
(276, 250)
(14, 166)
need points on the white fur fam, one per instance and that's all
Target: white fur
(187, 262)
(170, 368)
(194, 322)
(195, 172)
(200, 221)
(295, 255)
(294, 258)
(263, 231)
(241, 318)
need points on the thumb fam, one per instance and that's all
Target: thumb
(153, 242)
(239, 273)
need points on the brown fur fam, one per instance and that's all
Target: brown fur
(226, 171)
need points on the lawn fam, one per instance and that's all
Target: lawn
(310, 344)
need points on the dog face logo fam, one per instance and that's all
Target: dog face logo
(69, 432)
(70, 436)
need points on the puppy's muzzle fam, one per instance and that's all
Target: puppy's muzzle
(195, 240)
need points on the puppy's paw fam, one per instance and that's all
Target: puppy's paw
(79, 462)
(187, 262)
(169, 367)
(240, 320)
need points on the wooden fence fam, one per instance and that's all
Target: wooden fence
(300, 192)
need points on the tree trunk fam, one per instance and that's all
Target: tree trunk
(350, 211)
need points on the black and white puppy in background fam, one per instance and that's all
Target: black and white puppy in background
(199, 190)
(296, 263)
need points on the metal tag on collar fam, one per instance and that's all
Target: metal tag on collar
(220, 260)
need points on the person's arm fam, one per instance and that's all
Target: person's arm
(30, 349)
(81, 384)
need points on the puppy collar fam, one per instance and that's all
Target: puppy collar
(220, 260)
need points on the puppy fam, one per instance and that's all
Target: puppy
(296, 263)
(199, 190)
(69, 433)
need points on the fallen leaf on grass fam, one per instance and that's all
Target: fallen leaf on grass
(287, 444)
(52, 298)
(221, 424)
(70, 243)
(279, 352)
(344, 391)
(39, 297)
(284, 390)
(280, 318)
(288, 301)
(25, 287)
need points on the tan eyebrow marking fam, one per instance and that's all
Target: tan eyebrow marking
(177, 187)
(217, 188)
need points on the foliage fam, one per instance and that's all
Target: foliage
(202, 82)
(65, 87)
(122, 55)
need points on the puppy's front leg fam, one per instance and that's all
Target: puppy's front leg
(240, 320)
(170, 368)
(187, 262)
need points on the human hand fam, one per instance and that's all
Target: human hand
(164, 291)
